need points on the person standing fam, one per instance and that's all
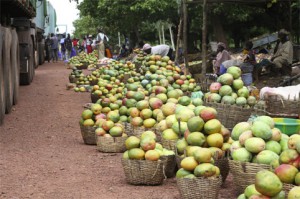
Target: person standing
(63, 47)
(54, 48)
(101, 41)
(89, 43)
(222, 56)
(75, 44)
(68, 45)
(83, 44)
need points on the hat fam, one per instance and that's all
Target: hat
(283, 31)
(146, 47)
(221, 44)
(90, 35)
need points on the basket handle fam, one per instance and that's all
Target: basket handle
(179, 126)
(157, 167)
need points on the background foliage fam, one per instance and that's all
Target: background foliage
(232, 23)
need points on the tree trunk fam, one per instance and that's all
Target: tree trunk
(185, 45)
(171, 37)
(137, 34)
(218, 29)
(163, 34)
(178, 40)
(204, 31)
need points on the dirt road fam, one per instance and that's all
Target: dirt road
(42, 154)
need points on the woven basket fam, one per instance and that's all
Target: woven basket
(111, 144)
(88, 134)
(94, 82)
(83, 66)
(143, 172)
(169, 144)
(158, 134)
(230, 115)
(244, 173)
(94, 98)
(178, 159)
(128, 128)
(276, 106)
(287, 187)
(222, 163)
(195, 68)
(199, 188)
(72, 79)
(169, 165)
(138, 130)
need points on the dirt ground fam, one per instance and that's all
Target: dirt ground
(42, 154)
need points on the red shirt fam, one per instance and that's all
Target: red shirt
(75, 41)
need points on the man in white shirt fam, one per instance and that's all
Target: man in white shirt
(162, 50)
(101, 40)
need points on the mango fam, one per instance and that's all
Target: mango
(242, 155)
(238, 129)
(255, 144)
(266, 157)
(262, 130)
(267, 183)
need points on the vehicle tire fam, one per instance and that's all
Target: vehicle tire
(15, 63)
(8, 75)
(2, 99)
(34, 63)
(26, 78)
(41, 53)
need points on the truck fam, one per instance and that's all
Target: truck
(22, 44)
(45, 21)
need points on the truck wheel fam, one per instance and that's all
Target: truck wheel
(8, 77)
(37, 56)
(2, 99)
(34, 63)
(15, 63)
(26, 78)
(41, 53)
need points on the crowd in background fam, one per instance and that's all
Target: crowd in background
(63, 47)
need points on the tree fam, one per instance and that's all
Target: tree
(84, 26)
(130, 17)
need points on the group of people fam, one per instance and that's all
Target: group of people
(100, 43)
(279, 64)
(64, 46)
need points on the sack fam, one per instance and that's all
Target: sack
(73, 52)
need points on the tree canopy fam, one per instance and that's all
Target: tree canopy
(136, 19)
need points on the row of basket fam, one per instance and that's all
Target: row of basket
(116, 144)
(143, 172)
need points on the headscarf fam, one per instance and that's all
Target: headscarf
(221, 44)
(283, 31)
(146, 47)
